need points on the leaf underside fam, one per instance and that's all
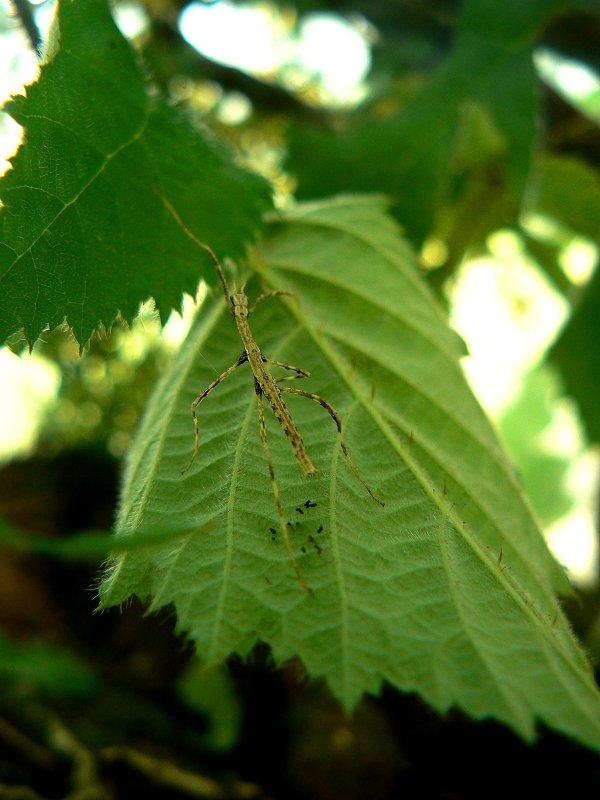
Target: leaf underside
(447, 591)
(83, 233)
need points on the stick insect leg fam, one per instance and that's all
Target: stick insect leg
(334, 415)
(300, 373)
(241, 360)
(275, 488)
(274, 293)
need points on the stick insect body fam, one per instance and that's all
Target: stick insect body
(268, 387)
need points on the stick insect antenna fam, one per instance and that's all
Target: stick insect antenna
(208, 250)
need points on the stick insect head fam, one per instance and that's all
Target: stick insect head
(237, 300)
(234, 295)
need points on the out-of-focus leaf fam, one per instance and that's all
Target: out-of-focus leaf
(411, 155)
(211, 692)
(568, 191)
(44, 666)
(522, 426)
(89, 545)
(83, 233)
(577, 353)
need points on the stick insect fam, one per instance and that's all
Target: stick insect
(265, 386)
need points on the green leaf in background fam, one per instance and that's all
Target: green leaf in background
(568, 191)
(447, 591)
(523, 425)
(211, 692)
(83, 234)
(47, 667)
(412, 155)
(86, 546)
(576, 353)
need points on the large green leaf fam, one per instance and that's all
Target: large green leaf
(447, 590)
(83, 233)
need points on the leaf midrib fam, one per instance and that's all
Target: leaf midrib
(466, 630)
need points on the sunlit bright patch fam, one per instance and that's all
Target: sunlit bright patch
(579, 260)
(234, 109)
(571, 78)
(329, 51)
(30, 386)
(334, 52)
(544, 227)
(434, 253)
(248, 37)
(131, 18)
(18, 66)
(178, 324)
(508, 313)
(573, 539)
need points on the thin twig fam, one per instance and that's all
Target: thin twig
(169, 775)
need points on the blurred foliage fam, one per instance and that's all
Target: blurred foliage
(103, 391)
(523, 424)
(212, 693)
(566, 190)
(577, 354)
(27, 666)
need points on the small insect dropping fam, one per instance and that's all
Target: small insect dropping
(299, 510)
(303, 549)
(308, 504)
(320, 529)
(273, 531)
